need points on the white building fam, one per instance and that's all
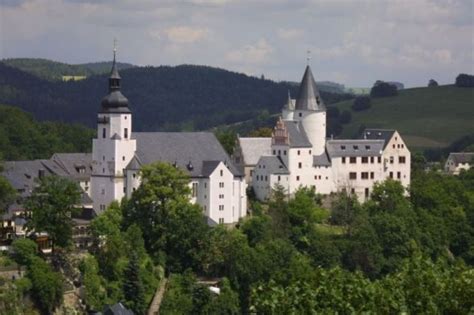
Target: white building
(301, 155)
(458, 161)
(118, 153)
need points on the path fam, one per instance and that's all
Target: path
(155, 304)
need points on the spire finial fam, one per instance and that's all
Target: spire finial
(308, 57)
(115, 48)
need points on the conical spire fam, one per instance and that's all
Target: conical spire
(114, 101)
(289, 104)
(308, 95)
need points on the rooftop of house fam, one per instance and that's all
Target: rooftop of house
(253, 148)
(193, 152)
(378, 134)
(354, 147)
(461, 157)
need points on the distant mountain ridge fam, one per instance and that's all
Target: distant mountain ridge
(53, 70)
(185, 97)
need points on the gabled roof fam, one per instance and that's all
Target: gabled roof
(461, 157)
(379, 134)
(321, 160)
(181, 149)
(135, 164)
(75, 165)
(208, 167)
(297, 135)
(274, 165)
(354, 147)
(254, 148)
(308, 94)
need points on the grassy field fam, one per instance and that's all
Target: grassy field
(426, 117)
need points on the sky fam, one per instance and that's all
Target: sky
(352, 42)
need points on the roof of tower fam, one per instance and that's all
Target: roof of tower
(308, 94)
(115, 101)
(290, 104)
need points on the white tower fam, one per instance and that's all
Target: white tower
(113, 148)
(311, 111)
(288, 109)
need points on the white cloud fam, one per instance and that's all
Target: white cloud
(184, 34)
(258, 53)
(291, 33)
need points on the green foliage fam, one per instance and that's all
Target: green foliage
(94, 292)
(52, 203)
(261, 132)
(361, 103)
(227, 140)
(133, 290)
(7, 193)
(465, 80)
(47, 286)
(24, 250)
(383, 89)
(23, 138)
(171, 225)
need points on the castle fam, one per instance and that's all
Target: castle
(298, 154)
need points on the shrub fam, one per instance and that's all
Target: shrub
(465, 80)
(432, 83)
(383, 89)
(361, 103)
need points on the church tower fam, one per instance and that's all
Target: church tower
(114, 147)
(311, 111)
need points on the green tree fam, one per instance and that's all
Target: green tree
(47, 286)
(171, 225)
(94, 293)
(24, 250)
(52, 204)
(133, 290)
(7, 193)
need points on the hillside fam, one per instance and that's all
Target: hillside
(24, 138)
(426, 117)
(162, 98)
(53, 70)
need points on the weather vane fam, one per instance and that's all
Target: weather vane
(308, 56)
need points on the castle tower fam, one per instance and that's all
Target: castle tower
(311, 111)
(114, 147)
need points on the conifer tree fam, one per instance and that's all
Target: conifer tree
(133, 291)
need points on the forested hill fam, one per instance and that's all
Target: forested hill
(54, 71)
(162, 98)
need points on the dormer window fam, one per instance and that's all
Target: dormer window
(356, 147)
(367, 147)
(343, 147)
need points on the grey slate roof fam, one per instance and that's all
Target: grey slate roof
(254, 148)
(308, 95)
(22, 174)
(297, 134)
(384, 134)
(134, 164)
(75, 165)
(180, 148)
(461, 157)
(117, 309)
(354, 147)
(321, 160)
(274, 165)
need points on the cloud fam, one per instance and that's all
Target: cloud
(183, 34)
(257, 53)
(291, 33)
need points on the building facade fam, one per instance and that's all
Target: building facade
(302, 156)
(458, 161)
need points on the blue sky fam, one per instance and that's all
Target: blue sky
(354, 42)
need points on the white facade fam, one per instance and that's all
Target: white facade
(458, 161)
(302, 156)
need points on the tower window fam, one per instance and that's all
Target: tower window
(299, 165)
(125, 133)
(300, 114)
(104, 131)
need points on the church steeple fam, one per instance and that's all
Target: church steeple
(115, 101)
(308, 95)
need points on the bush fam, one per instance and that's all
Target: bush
(465, 80)
(345, 117)
(24, 250)
(383, 89)
(332, 112)
(432, 83)
(361, 103)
